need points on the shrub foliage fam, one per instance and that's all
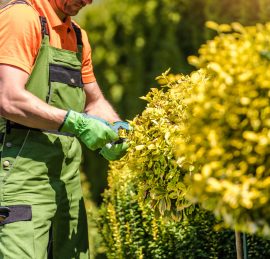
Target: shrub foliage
(204, 138)
(229, 128)
(131, 229)
(221, 117)
(132, 42)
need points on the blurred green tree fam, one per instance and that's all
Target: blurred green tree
(133, 42)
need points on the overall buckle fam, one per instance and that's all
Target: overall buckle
(4, 213)
(14, 213)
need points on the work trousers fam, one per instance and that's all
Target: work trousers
(42, 170)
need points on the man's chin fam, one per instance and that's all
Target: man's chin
(72, 12)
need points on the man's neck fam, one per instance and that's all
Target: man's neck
(60, 14)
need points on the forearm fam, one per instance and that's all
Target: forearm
(25, 108)
(102, 109)
(19, 105)
(97, 105)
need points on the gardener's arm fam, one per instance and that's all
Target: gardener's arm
(97, 105)
(19, 105)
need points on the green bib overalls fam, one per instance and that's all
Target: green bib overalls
(39, 173)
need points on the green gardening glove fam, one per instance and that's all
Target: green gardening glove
(114, 150)
(91, 131)
(117, 149)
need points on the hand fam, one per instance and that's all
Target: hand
(93, 132)
(117, 149)
(114, 151)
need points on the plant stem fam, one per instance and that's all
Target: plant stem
(239, 245)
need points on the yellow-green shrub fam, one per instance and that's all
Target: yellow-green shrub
(151, 159)
(229, 128)
(218, 119)
(131, 230)
(204, 138)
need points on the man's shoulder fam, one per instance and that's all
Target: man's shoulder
(20, 13)
(20, 34)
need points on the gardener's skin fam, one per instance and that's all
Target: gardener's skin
(69, 7)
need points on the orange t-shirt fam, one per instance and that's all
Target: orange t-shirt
(20, 36)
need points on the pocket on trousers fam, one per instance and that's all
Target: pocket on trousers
(17, 240)
(13, 145)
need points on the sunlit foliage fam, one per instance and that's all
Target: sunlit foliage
(204, 138)
(229, 128)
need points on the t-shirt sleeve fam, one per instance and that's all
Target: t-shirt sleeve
(20, 36)
(87, 67)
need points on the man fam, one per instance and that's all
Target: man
(47, 86)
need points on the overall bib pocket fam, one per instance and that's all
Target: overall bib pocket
(65, 88)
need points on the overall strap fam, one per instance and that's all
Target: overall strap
(45, 31)
(44, 26)
(78, 36)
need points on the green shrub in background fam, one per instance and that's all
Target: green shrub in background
(132, 41)
(131, 230)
